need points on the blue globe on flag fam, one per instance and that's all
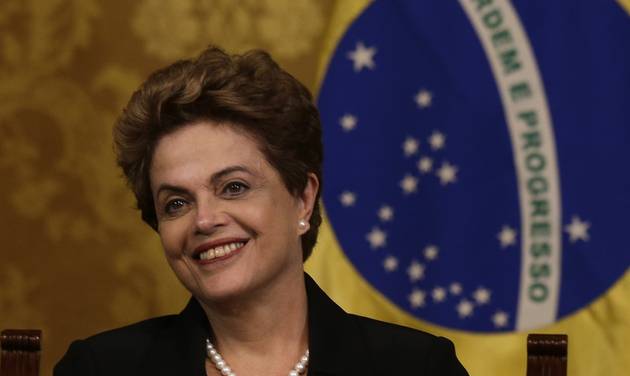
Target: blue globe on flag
(474, 173)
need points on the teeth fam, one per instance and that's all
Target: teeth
(221, 250)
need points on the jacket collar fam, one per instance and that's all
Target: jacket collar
(335, 341)
(179, 349)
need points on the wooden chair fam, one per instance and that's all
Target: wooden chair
(547, 354)
(21, 350)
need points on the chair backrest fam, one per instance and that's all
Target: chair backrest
(547, 354)
(21, 350)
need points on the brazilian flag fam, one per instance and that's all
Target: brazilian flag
(476, 177)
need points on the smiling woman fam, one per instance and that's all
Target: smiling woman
(228, 224)
(223, 154)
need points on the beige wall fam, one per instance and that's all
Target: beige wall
(75, 258)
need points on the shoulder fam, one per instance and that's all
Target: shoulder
(386, 334)
(126, 346)
(407, 349)
(132, 335)
(376, 347)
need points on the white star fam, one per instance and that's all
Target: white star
(425, 164)
(482, 295)
(577, 229)
(465, 308)
(415, 271)
(410, 146)
(347, 198)
(437, 140)
(455, 288)
(386, 213)
(423, 98)
(507, 236)
(500, 319)
(348, 122)
(431, 252)
(362, 57)
(377, 238)
(416, 298)
(409, 184)
(390, 263)
(438, 294)
(447, 173)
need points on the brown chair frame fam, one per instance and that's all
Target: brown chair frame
(547, 354)
(21, 352)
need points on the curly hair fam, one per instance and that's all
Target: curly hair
(249, 91)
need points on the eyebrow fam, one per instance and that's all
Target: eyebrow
(217, 176)
(214, 179)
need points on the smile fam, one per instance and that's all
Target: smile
(221, 250)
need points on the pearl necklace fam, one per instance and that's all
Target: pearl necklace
(225, 370)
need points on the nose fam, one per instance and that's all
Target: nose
(209, 217)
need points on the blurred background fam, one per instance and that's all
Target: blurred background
(75, 258)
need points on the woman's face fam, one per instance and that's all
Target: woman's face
(228, 225)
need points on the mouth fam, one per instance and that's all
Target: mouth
(218, 250)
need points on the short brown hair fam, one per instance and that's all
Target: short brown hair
(249, 91)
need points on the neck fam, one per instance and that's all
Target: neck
(268, 324)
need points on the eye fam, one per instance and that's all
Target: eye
(174, 206)
(234, 189)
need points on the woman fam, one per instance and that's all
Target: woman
(223, 154)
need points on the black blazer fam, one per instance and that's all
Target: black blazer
(339, 343)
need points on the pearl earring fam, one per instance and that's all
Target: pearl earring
(302, 224)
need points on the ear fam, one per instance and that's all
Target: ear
(307, 200)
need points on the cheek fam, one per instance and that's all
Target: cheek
(281, 221)
(271, 216)
(172, 236)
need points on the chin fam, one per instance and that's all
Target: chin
(222, 288)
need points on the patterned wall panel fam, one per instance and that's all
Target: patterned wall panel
(75, 257)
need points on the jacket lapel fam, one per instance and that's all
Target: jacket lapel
(179, 349)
